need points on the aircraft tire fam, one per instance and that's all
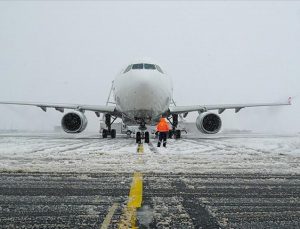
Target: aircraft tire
(138, 137)
(147, 137)
(178, 134)
(113, 133)
(170, 135)
(104, 133)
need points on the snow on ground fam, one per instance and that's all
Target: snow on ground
(223, 153)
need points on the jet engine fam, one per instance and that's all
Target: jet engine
(209, 123)
(74, 122)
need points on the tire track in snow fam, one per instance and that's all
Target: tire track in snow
(227, 146)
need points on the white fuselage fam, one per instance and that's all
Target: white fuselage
(143, 94)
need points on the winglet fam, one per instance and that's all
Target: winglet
(290, 100)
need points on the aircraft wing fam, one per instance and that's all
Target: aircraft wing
(61, 107)
(221, 108)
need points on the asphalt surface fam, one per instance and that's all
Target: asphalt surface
(95, 200)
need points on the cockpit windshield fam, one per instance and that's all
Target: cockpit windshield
(137, 66)
(159, 69)
(149, 66)
(143, 66)
(128, 68)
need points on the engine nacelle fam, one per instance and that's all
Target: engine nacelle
(209, 123)
(74, 122)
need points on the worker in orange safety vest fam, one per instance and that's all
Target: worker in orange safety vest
(163, 129)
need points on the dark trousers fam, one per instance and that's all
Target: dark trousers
(162, 137)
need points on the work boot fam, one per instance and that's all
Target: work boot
(158, 144)
(165, 144)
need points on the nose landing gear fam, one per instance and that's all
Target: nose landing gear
(142, 134)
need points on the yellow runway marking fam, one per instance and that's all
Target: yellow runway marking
(109, 216)
(136, 191)
(140, 148)
(128, 219)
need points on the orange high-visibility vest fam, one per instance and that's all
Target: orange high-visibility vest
(162, 126)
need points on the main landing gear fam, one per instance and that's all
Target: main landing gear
(109, 131)
(174, 122)
(142, 134)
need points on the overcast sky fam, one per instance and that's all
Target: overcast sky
(216, 52)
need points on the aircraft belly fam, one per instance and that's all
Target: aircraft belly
(146, 106)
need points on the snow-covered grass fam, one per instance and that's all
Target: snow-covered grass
(252, 153)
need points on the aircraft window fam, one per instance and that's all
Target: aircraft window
(159, 69)
(137, 66)
(127, 69)
(149, 66)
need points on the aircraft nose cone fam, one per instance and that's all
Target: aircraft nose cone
(144, 93)
(150, 92)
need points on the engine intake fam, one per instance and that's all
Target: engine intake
(74, 122)
(209, 123)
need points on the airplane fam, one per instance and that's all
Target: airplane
(143, 93)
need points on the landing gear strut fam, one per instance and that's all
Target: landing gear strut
(174, 123)
(108, 123)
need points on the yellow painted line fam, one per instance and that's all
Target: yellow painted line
(109, 216)
(140, 148)
(136, 191)
(128, 219)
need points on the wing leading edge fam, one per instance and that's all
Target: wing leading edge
(61, 107)
(222, 108)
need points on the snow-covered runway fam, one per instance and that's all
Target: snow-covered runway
(255, 153)
(225, 181)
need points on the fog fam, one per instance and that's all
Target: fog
(216, 52)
